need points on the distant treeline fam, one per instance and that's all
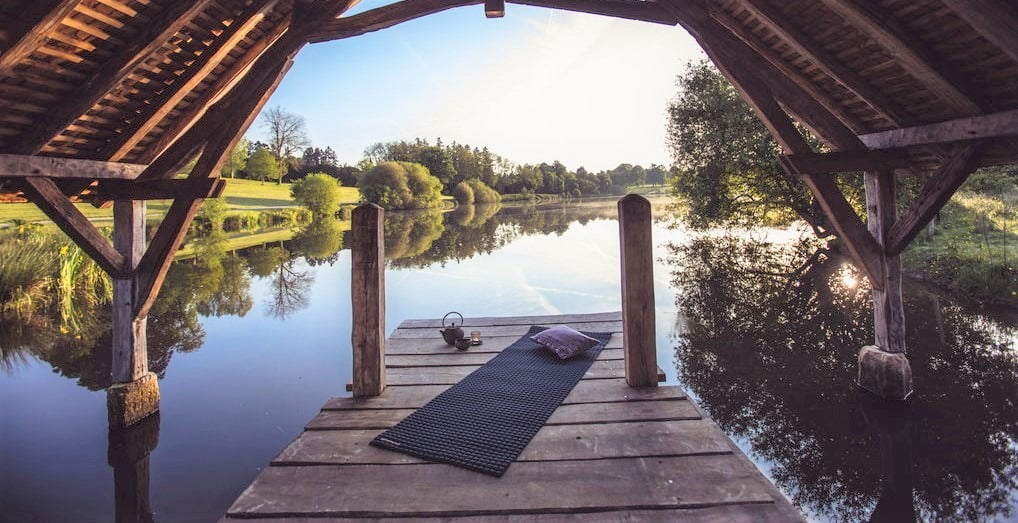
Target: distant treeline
(455, 163)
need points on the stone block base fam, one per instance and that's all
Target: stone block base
(886, 374)
(129, 403)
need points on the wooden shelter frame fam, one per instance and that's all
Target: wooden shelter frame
(186, 78)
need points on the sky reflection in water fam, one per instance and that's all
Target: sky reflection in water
(250, 344)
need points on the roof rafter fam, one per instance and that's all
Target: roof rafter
(111, 74)
(209, 60)
(1004, 123)
(809, 49)
(993, 19)
(226, 81)
(912, 54)
(30, 30)
(769, 54)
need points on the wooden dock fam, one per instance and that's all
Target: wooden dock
(609, 452)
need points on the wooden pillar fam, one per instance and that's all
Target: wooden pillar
(638, 325)
(135, 391)
(368, 294)
(883, 367)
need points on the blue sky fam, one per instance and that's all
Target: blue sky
(537, 85)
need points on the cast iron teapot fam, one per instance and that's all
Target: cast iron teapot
(451, 333)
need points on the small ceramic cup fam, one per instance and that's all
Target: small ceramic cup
(463, 343)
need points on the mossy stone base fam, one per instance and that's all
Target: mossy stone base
(129, 403)
(885, 374)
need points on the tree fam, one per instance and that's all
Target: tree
(463, 193)
(318, 192)
(483, 193)
(726, 160)
(238, 158)
(400, 185)
(287, 134)
(262, 165)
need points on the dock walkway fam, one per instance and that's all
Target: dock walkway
(609, 452)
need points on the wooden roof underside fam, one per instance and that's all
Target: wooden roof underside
(126, 80)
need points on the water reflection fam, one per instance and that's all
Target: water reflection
(770, 350)
(128, 454)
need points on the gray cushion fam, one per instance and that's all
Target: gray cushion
(565, 342)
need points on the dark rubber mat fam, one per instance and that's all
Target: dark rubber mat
(483, 422)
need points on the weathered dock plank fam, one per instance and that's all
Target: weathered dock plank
(542, 486)
(586, 391)
(609, 452)
(616, 412)
(552, 443)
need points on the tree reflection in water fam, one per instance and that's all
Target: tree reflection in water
(770, 351)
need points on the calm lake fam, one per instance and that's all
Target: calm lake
(761, 328)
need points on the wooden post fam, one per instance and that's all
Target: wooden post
(135, 391)
(638, 326)
(368, 294)
(883, 368)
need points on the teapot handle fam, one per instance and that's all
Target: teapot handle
(453, 323)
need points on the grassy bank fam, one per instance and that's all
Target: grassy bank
(240, 195)
(973, 251)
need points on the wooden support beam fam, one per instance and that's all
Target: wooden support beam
(18, 166)
(367, 290)
(1004, 123)
(888, 311)
(644, 11)
(172, 189)
(934, 194)
(155, 34)
(58, 208)
(130, 350)
(995, 20)
(843, 161)
(911, 53)
(406, 10)
(803, 44)
(191, 77)
(639, 330)
(31, 28)
(383, 17)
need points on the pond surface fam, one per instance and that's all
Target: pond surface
(761, 328)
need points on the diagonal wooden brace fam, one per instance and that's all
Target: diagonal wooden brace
(45, 193)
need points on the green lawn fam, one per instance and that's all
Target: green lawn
(241, 195)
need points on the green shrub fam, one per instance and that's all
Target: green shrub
(319, 192)
(284, 217)
(483, 193)
(400, 185)
(463, 193)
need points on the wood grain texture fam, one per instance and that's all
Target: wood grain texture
(669, 482)
(996, 21)
(465, 358)
(551, 443)
(491, 344)
(129, 338)
(586, 391)
(1004, 123)
(888, 311)
(45, 194)
(19, 165)
(436, 375)
(636, 246)
(367, 291)
(507, 330)
(740, 513)
(488, 321)
(565, 414)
